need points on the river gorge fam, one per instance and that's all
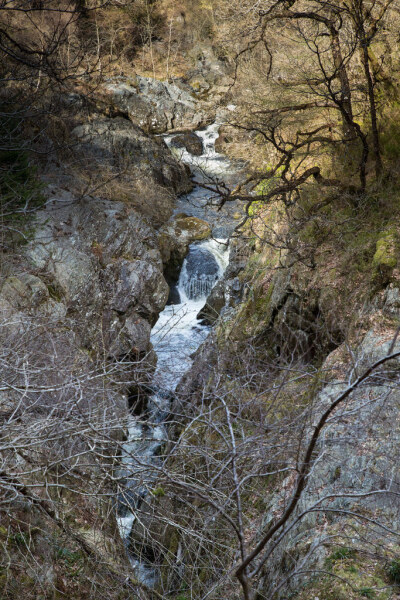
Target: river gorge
(176, 336)
(199, 300)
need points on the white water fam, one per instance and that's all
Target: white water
(211, 164)
(175, 337)
(178, 333)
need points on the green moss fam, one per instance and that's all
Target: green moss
(339, 554)
(174, 543)
(20, 193)
(68, 556)
(54, 292)
(386, 255)
(390, 136)
(367, 592)
(337, 473)
(197, 228)
(353, 576)
(18, 539)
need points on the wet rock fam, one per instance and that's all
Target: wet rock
(214, 305)
(174, 241)
(200, 272)
(174, 295)
(201, 261)
(190, 141)
(227, 292)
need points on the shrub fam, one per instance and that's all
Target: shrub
(393, 571)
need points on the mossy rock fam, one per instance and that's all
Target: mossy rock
(196, 228)
(386, 259)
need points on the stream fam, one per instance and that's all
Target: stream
(176, 335)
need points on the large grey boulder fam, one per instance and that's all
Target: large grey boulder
(156, 106)
(190, 142)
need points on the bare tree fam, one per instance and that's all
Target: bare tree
(246, 476)
(302, 103)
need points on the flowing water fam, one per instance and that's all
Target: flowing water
(176, 335)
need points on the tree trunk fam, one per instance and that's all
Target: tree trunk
(348, 131)
(372, 103)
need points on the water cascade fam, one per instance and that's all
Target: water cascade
(176, 335)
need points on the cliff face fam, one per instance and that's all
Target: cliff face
(81, 284)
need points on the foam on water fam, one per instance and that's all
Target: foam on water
(210, 162)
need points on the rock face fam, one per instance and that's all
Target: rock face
(103, 260)
(211, 76)
(121, 145)
(156, 106)
(355, 474)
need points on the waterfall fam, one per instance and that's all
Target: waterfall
(199, 286)
(201, 269)
(175, 337)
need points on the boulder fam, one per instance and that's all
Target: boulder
(224, 139)
(190, 142)
(155, 106)
(214, 305)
